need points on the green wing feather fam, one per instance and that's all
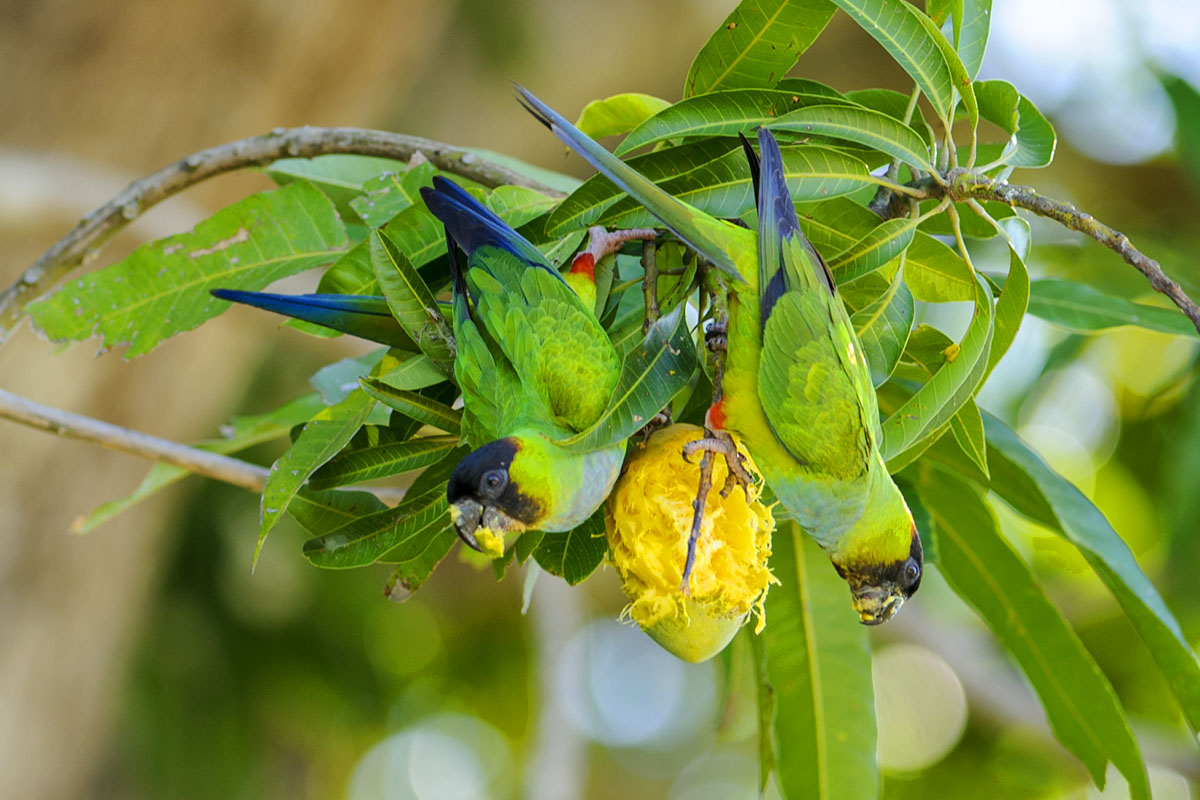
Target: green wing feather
(555, 344)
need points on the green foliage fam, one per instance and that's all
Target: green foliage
(813, 667)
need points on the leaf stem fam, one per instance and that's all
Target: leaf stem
(649, 284)
(952, 212)
(202, 462)
(84, 242)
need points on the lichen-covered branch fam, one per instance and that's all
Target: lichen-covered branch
(202, 462)
(966, 185)
(93, 231)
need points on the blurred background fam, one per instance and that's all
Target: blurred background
(143, 660)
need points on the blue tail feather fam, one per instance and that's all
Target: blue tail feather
(365, 316)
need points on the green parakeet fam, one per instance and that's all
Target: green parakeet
(796, 386)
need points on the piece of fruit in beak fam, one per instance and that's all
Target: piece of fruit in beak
(483, 528)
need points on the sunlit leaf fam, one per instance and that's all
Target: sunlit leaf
(619, 113)
(415, 406)
(757, 44)
(883, 243)
(339, 176)
(388, 194)
(935, 273)
(1034, 139)
(162, 288)
(411, 302)
(895, 26)
(883, 328)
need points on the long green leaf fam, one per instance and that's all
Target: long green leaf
(323, 436)
(958, 73)
(363, 541)
(894, 25)
(415, 406)
(576, 554)
(1033, 137)
(955, 382)
(412, 302)
(757, 44)
(817, 670)
(883, 243)
(984, 570)
(651, 375)
(584, 206)
(860, 125)
(388, 194)
(368, 463)
(724, 188)
(835, 225)
(883, 328)
(971, 23)
(1024, 481)
(321, 512)
(1014, 299)
(1080, 307)
(162, 288)
(726, 113)
(935, 273)
(967, 428)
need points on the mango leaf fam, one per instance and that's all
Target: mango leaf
(381, 461)
(619, 113)
(723, 187)
(935, 273)
(584, 206)
(757, 44)
(340, 177)
(415, 406)
(1014, 299)
(861, 126)
(971, 23)
(388, 194)
(650, 376)
(958, 72)
(574, 555)
(162, 288)
(884, 242)
(955, 382)
(411, 525)
(416, 372)
(984, 570)
(895, 26)
(412, 302)
(415, 561)
(320, 512)
(809, 86)
(726, 113)
(1078, 307)
(1033, 137)
(815, 667)
(967, 427)
(1023, 480)
(835, 225)
(242, 433)
(883, 328)
(323, 436)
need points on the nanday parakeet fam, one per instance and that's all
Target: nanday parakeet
(534, 366)
(796, 385)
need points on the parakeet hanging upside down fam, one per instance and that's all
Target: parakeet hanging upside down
(533, 363)
(796, 386)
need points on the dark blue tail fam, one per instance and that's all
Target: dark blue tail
(364, 316)
(473, 225)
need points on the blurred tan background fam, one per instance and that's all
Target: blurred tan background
(93, 95)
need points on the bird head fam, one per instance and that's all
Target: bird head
(486, 501)
(879, 588)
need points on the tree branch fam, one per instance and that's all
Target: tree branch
(91, 233)
(966, 185)
(202, 462)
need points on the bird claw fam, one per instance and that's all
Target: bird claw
(716, 336)
(737, 474)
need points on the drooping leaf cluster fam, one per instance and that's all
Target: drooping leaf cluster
(868, 170)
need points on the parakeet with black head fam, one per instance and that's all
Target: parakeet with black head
(796, 387)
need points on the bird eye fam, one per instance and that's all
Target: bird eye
(493, 482)
(912, 571)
